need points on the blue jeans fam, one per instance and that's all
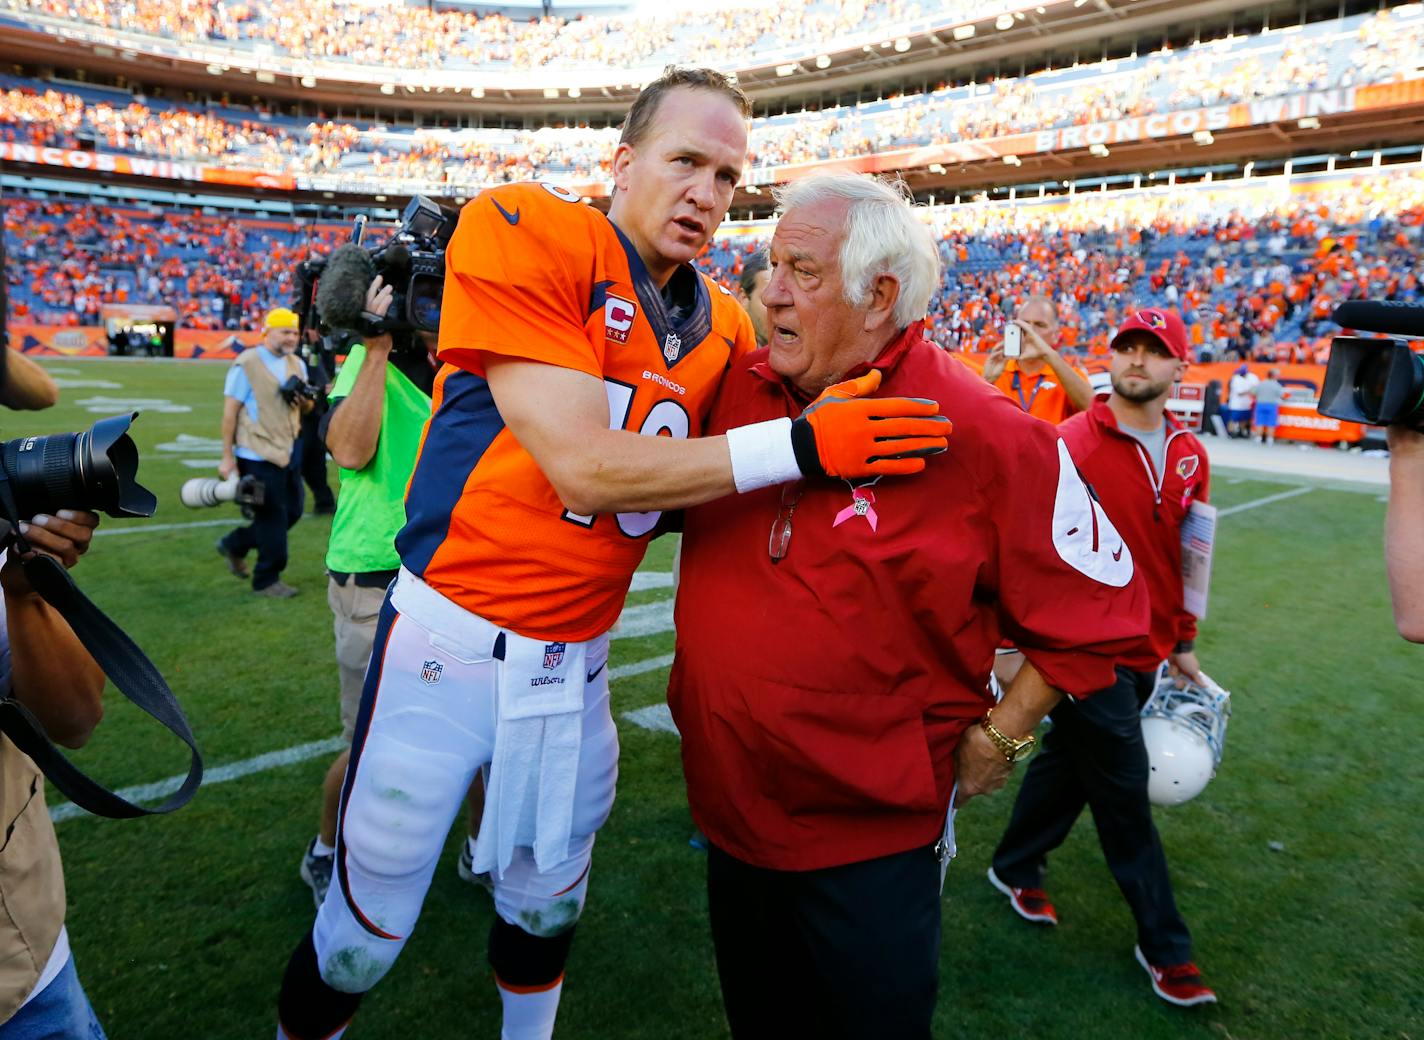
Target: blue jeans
(60, 1011)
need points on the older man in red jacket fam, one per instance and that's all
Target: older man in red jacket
(1147, 470)
(835, 640)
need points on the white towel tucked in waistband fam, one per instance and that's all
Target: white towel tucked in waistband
(529, 798)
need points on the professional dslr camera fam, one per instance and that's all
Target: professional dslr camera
(1375, 381)
(298, 389)
(332, 290)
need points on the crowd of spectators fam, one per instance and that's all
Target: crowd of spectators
(392, 34)
(66, 260)
(1379, 47)
(1254, 280)
(1255, 277)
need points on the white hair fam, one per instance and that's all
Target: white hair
(883, 236)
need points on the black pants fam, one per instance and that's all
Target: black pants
(850, 951)
(314, 463)
(268, 531)
(1094, 755)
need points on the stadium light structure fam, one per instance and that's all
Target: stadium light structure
(1099, 149)
(551, 93)
(902, 45)
(308, 81)
(936, 168)
(388, 89)
(1203, 137)
(1012, 160)
(789, 69)
(964, 32)
(1004, 21)
(823, 62)
(477, 92)
(1308, 123)
(574, 92)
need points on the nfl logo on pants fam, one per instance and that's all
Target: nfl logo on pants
(553, 655)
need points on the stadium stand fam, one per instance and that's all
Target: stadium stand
(1256, 269)
(398, 36)
(1379, 48)
(1255, 272)
(67, 260)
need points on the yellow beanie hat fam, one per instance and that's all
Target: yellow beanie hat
(280, 318)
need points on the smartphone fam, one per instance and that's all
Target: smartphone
(1013, 340)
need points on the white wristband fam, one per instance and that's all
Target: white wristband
(762, 454)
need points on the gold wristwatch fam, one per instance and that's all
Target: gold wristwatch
(1012, 750)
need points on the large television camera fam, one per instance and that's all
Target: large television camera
(332, 290)
(1375, 381)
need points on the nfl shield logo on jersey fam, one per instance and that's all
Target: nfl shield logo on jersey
(430, 672)
(553, 655)
(671, 346)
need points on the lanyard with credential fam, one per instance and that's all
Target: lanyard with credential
(1018, 389)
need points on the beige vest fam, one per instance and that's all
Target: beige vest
(278, 423)
(31, 879)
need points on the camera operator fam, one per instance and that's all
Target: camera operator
(45, 667)
(1404, 530)
(378, 408)
(263, 400)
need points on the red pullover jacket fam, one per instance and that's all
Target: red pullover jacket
(820, 698)
(1148, 508)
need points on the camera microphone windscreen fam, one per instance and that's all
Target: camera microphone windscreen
(341, 293)
(1390, 319)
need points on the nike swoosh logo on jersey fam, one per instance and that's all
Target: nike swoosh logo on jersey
(511, 218)
(1118, 555)
(594, 674)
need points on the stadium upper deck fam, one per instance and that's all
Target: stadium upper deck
(1267, 78)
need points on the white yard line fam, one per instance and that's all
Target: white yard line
(230, 521)
(232, 771)
(1293, 493)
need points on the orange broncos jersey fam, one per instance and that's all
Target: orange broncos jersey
(533, 274)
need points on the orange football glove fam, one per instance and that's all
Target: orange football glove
(845, 434)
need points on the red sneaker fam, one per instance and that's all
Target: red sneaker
(1029, 903)
(1179, 984)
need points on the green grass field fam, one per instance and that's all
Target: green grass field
(1299, 869)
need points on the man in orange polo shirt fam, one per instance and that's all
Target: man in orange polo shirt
(1042, 382)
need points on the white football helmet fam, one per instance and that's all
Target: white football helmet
(1185, 731)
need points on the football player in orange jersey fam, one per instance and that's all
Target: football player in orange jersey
(565, 334)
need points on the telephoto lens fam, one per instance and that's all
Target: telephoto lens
(201, 492)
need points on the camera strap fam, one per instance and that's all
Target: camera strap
(126, 666)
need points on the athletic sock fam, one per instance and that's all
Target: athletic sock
(529, 971)
(529, 1012)
(321, 848)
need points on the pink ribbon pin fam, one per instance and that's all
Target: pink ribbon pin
(860, 505)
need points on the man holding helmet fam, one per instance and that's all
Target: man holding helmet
(1146, 470)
